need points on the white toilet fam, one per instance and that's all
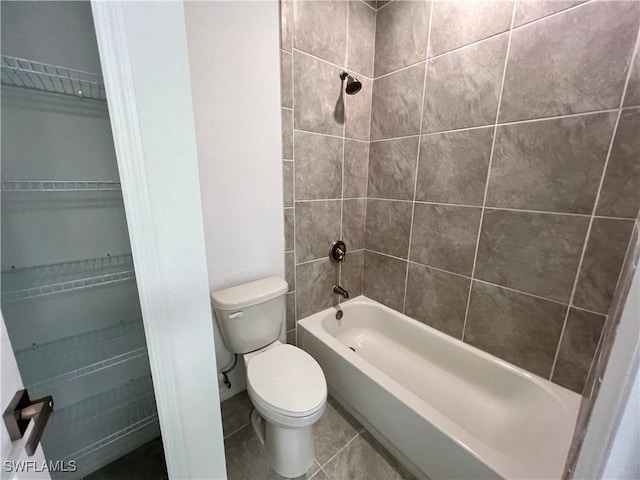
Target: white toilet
(285, 384)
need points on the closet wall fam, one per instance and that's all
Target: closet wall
(69, 296)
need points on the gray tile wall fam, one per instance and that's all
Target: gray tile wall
(487, 177)
(325, 147)
(504, 172)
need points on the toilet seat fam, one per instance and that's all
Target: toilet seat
(287, 381)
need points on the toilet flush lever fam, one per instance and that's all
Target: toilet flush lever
(236, 315)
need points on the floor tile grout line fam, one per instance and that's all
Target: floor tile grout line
(339, 451)
(488, 178)
(236, 430)
(417, 164)
(595, 203)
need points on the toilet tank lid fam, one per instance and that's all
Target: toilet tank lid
(249, 294)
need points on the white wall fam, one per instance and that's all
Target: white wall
(234, 59)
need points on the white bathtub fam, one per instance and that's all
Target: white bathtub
(444, 408)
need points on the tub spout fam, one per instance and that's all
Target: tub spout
(340, 291)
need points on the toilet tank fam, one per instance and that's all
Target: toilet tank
(250, 315)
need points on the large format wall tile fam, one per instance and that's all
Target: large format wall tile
(577, 348)
(530, 10)
(453, 166)
(318, 166)
(353, 213)
(317, 226)
(318, 96)
(351, 275)
(388, 227)
(286, 65)
(362, 27)
(395, 111)
(521, 329)
(533, 252)
(314, 287)
(457, 23)
(570, 63)
(437, 298)
(289, 270)
(602, 262)
(321, 29)
(286, 25)
(620, 194)
(355, 168)
(552, 165)
(392, 166)
(445, 236)
(384, 278)
(287, 183)
(358, 111)
(288, 229)
(463, 87)
(632, 97)
(287, 133)
(401, 35)
(291, 310)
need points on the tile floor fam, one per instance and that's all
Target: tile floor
(344, 450)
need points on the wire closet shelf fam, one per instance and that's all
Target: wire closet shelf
(23, 73)
(59, 185)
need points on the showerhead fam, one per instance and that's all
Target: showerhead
(353, 84)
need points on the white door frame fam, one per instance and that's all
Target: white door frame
(144, 57)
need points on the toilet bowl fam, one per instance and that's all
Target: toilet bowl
(285, 384)
(289, 393)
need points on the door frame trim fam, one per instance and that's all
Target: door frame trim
(175, 382)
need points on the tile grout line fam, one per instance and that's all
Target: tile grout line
(339, 451)
(415, 175)
(595, 205)
(366, 176)
(344, 134)
(236, 430)
(365, 3)
(476, 127)
(401, 69)
(490, 37)
(462, 205)
(486, 282)
(293, 149)
(486, 186)
(324, 258)
(320, 59)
